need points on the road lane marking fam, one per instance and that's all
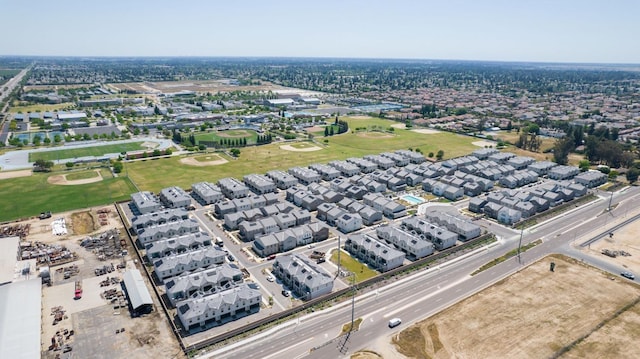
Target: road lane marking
(276, 354)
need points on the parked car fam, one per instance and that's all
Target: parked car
(628, 275)
(270, 278)
(320, 260)
(231, 258)
(286, 293)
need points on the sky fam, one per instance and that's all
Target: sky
(583, 31)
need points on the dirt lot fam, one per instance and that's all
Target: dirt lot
(625, 239)
(534, 314)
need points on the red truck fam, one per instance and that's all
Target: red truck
(78, 290)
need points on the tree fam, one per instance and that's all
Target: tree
(632, 175)
(326, 131)
(331, 131)
(584, 165)
(561, 150)
(439, 155)
(430, 155)
(235, 152)
(41, 165)
(69, 164)
(117, 167)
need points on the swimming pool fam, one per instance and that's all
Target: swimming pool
(412, 199)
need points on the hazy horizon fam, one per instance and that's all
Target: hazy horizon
(545, 31)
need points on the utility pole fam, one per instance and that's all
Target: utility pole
(353, 299)
(520, 242)
(337, 274)
(610, 200)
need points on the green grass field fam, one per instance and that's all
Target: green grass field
(151, 175)
(28, 196)
(85, 151)
(81, 175)
(361, 271)
(250, 135)
(41, 107)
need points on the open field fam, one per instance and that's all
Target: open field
(86, 151)
(81, 175)
(348, 263)
(41, 107)
(151, 174)
(28, 196)
(535, 313)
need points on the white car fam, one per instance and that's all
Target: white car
(270, 278)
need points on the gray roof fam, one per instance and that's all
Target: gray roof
(212, 303)
(303, 270)
(213, 276)
(136, 289)
(167, 215)
(20, 319)
(375, 247)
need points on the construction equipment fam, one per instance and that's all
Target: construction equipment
(45, 215)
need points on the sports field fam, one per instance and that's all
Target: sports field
(85, 151)
(250, 135)
(28, 196)
(152, 175)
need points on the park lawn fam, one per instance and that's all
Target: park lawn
(250, 135)
(362, 271)
(41, 107)
(96, 151)
(28, 196)
(81, 175)
(152, 174)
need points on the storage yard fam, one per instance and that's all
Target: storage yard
(85, 311)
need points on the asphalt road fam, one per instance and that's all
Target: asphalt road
(10, 85)
(426, 293)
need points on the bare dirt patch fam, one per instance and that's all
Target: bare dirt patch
(15, 174)
(83, 223)
(400, 126)
(304, 149)
(426, 131)
(374, 135)
(532, 314)
(194, 162)
(62, 180)
(366, 354)
(150, 145)
(484, 143)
